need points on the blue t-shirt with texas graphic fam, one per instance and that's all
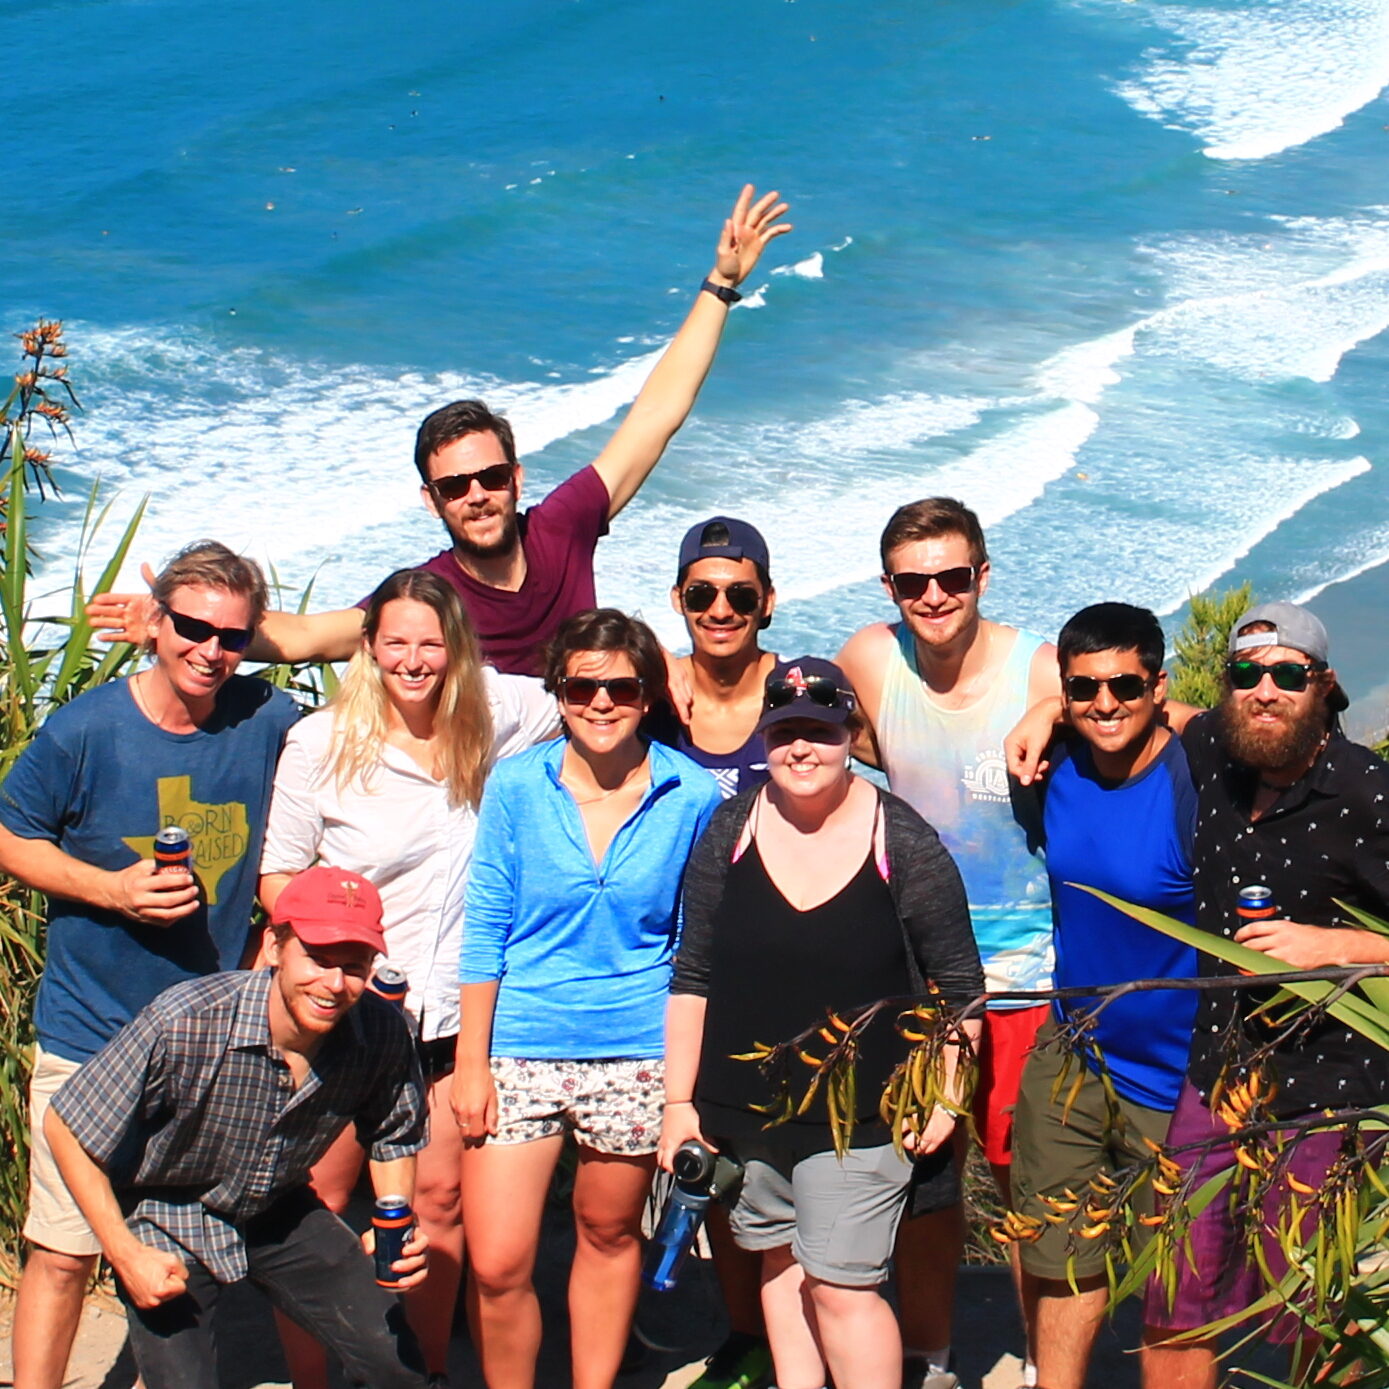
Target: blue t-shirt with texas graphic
(100, 781)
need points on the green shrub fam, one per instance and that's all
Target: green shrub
(1198, 659)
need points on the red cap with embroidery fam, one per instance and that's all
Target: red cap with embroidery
(327, 906)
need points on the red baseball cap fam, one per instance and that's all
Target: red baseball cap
(327, 906)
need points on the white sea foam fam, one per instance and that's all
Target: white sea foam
(1082, 372)
(811, 268)
(1242, 508)
(1251, 82)
(1287, 304)
(276, 457)
(1374, 552)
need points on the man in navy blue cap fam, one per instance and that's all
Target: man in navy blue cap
(723, 590)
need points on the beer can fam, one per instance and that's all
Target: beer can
(173, 850)
(393, 1221)
(1256, 903)
(390, 982)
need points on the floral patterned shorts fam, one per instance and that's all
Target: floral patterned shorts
(613, 1106)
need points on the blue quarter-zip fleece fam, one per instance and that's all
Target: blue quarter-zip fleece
(583, 952)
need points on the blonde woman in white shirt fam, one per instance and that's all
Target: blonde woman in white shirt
(386, 781)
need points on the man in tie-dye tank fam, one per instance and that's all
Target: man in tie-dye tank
(941, 688)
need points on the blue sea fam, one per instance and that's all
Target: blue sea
(1116, 272)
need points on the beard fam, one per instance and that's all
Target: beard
(504, 544)
(1271, 747)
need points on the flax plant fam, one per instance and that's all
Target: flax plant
(46, 659)
(1334, 1237)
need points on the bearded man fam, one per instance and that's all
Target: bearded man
(1286, 802)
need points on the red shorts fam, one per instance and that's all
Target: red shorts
(1003, 1051)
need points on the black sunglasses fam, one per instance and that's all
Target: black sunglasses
(818, 689)
(700, 596)
(1125, 688)
(494, 479)
(1291, 676)
(583, 689)
(194, 629)
(906, 588)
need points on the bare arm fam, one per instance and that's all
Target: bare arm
(156, 899)
(293, 637)
(864, 659)
(150, 1276)
(281, 637)
(684, 1039)
(670, 391)
(397, 1178)
(1315, 947)
(473, 1095)
(940, 1123)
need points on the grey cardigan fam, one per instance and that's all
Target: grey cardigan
(922, 879)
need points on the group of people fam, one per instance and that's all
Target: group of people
(605, 873)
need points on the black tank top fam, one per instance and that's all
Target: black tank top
(773, 972)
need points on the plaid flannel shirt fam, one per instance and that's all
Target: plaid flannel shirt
(193, 1114)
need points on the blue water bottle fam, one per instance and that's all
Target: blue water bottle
(693, 1169)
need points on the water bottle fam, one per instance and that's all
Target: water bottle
(693, 1168)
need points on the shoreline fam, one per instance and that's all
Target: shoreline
(1352, 611)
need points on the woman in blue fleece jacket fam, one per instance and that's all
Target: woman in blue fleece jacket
(570, 927)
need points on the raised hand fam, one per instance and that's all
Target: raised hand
(747, 231)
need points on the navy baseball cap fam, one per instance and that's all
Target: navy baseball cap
(807, 688)
(723, 537)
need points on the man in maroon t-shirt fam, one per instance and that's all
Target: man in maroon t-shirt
(521, 575)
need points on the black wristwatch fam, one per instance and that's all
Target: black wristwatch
(727, 293)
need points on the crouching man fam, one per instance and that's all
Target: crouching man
(187, 1143)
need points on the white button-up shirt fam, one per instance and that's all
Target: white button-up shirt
(400, 833)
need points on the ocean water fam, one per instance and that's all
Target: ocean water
(1116, 272)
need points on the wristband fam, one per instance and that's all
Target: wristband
(728, 294)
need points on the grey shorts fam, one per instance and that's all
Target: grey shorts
(839, 1217)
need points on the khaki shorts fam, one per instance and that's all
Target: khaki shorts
(1050, 1156)
(54, 1220)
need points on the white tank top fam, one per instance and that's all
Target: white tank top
(948, 764)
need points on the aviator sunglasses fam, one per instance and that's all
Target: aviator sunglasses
(818, 689)
(1291, 676)
(701, 595)
(583, 689)
(194, 629)
(456, 485)
(907, 588)
(1125, 688)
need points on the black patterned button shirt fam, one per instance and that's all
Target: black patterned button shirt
(1325, 838)
(193, 1114)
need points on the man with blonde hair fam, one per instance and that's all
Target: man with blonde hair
(185, 741)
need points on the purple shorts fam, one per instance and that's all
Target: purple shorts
(1227, 1277)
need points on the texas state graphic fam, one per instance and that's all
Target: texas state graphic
(219, 832)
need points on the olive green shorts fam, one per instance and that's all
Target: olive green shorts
(1050, 1156)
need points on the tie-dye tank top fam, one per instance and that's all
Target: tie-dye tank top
(948, 764)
